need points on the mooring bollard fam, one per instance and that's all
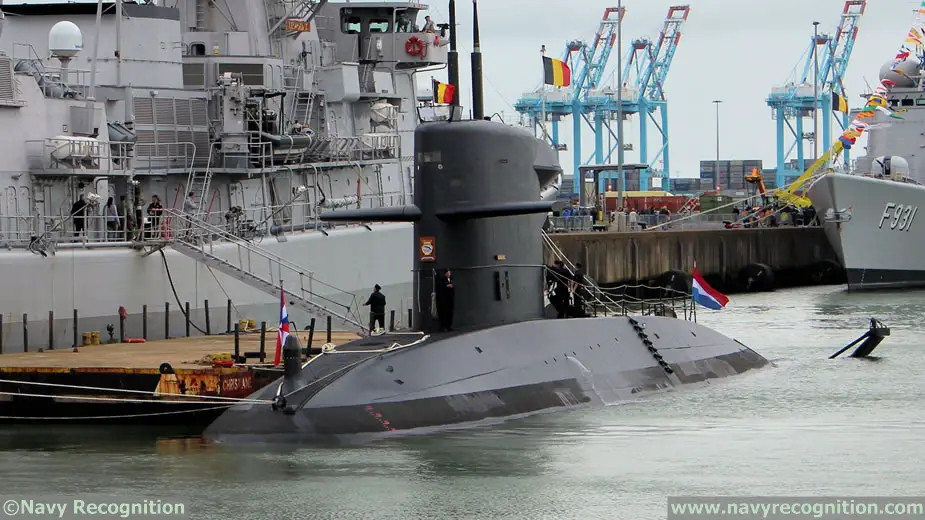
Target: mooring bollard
(237, 341)
(329, 329)
(311, 338)
(51, 330)
(392, 320)
(25, 332)
(166, 320)
(144, 322)
(186, 312)
(122, 316)
(263, 341)
(208, 323)
(76, 330)
(228, 329)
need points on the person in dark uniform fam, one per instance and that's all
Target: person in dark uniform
(446, 292)
(376, 302)
(561, 277)
(79, 214)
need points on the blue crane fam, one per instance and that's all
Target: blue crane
(587, 63)
(646, 70)
(796, 100)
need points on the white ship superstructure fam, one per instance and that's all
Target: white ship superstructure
(871, 216)
(267, 111)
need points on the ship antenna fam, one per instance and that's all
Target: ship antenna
(453, 62)
(478, 106)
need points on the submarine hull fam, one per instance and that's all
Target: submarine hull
(427, 381)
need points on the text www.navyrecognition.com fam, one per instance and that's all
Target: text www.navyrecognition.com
(770, 508)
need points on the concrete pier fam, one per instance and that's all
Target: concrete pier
(726, 257)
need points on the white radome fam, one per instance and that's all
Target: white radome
(65, 40)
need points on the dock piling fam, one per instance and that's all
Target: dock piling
(51, 330)
(392, 320)
(25, 332)
(228, 329)
(263, 341)
(208, 322)
(329, 329)
(311, 338)
(1, 334)
(76, 331)
(166, 320)
(237, 342)
(186, 312)
(122, 317)
(144, 322)
(410, 314)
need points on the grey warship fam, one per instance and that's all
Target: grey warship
(870, 214)
(502, 358)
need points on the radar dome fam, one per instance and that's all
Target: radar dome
(893, 167)
(65, 40)
(909, 69)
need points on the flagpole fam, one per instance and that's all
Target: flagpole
(543, 95)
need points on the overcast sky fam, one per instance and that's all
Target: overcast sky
(732, 50)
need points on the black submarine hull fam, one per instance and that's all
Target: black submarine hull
(399, 382)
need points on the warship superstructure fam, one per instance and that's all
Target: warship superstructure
(266, 111)
(870, 216)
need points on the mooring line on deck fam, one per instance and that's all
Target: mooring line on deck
(102, 417)
(116, 399)
(144, 392)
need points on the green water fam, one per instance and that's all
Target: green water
(808, 427)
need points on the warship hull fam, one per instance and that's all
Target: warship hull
(456, 378)
(97, 282)
(874, 227)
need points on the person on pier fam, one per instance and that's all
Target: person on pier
(376, 302)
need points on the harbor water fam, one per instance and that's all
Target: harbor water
(810, 426)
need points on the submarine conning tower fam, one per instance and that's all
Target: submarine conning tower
(477, 213)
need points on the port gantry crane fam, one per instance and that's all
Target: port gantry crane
(646, 69)
(587, 63)
(796, 100)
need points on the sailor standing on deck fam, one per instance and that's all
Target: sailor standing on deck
(446, 293)
(376, 302)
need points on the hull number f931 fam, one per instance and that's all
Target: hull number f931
(898, 216)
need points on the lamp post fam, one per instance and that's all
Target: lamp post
(621, 182)
(716, 170)
(815, 90)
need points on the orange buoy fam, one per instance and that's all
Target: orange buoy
(135, 340)
(223, 363)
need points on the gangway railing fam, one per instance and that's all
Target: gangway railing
(196, 239)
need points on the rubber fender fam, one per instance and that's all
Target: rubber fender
(165, 368)
(676, 280)
(756, 278)
(831, 273)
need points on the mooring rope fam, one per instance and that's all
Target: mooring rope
(142, 392)
(103, 417)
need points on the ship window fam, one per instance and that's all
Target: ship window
(197, 49)
(379, 26)
(908, 102)
(350, 24)
(920, 101)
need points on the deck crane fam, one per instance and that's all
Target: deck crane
(795, 100)
(646, 69)
(587, 63)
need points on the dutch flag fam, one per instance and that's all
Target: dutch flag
(283, 331)
(706, 295)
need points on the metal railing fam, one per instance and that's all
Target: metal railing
(94, 229)
(82, 155)
(249, 258)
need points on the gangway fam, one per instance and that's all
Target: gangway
(258, 268)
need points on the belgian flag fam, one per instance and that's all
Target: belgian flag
(443, 93)
(556, 72)
(839, 104)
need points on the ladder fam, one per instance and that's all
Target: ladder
(198, 183)
(261, 269)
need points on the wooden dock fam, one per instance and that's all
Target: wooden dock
(180, 353)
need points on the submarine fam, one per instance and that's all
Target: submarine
(476, 214)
